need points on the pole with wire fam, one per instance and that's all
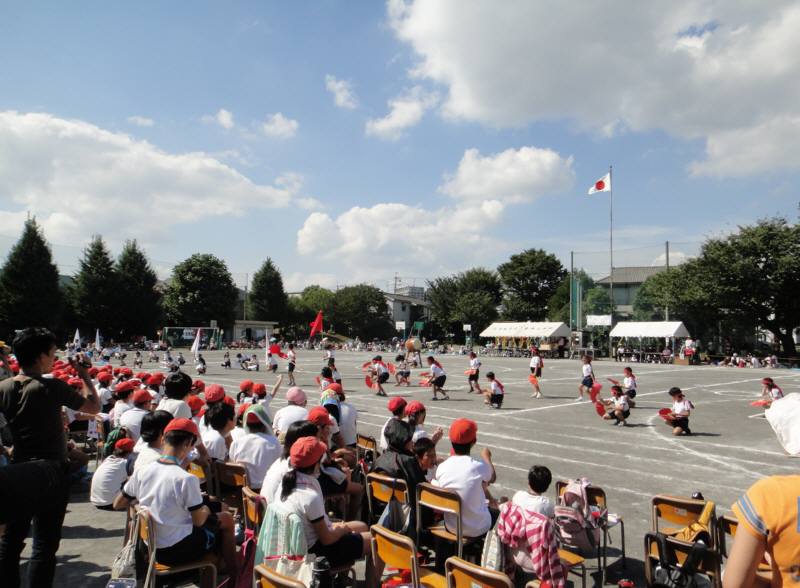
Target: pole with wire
(611, 254)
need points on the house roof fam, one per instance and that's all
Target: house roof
(632, 275)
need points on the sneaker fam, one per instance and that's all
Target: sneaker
(435, 398)
(579, 399)
(621, 424)
(446, 397)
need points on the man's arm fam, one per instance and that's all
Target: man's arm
(276, 387)
(487, 457)
(92, 403)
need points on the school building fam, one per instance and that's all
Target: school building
(627, 281)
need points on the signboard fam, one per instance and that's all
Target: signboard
(598, 320)
(467, 328)
(400, 325)
(189, 333)
(419, 325)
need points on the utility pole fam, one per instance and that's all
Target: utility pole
(244, 310)
(666, 309)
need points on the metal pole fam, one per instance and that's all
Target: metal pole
(571, 286)
(611, 253)
(666, 310)
(244, 311)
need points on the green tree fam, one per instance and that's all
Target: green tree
(94, 292)
(558, 305)
(29, 284)
(453, 299)
(474, 308)
(138, 298)
(201, 290)
(361, 311)
(267, 299)
(441, 294)
(596, 301)
(529, 281)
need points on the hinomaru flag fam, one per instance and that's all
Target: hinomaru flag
(601, 185)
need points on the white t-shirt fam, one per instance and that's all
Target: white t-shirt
(621, 402)
(107, 481)
(536, 361)
(177, 408)
(497, 388)
(419, 433)
(168, 492)
(237, 433)
(105, 394)
(291, 356)
(629, 383)
(348, 427)
(215, 444)
(379, 368)
(474, 363)
(680, 406)
(587, 370)
(119, 409)
(383, 444)
(466, 475)
(436, 371)
(257, 451)
(146, 456)
(528, 501)
(775, 393)
(271, 486)
(132, 421)
(307, 502)
(287, 415)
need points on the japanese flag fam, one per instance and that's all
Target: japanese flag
(601, 185)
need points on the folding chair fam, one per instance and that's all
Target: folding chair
(462, 574)
(444, 501)
(727, 526)
(147, 536)
(379, 491)
(365, 445)
(681, 512)
(266, 577)
(230, 478)
(399, 551)
(710, 564)
(254, 507)
(597, 497)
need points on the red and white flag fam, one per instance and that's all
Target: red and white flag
(601, 185)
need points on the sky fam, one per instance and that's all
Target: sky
(357, 140)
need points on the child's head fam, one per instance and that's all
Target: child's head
(627, 371)
(177, 386)
(490, 376)
(291, 345)
(399, 358)
(326, 372)
(463, 435)
(397, 406)
(124, 447)
(430, 360)
(587, 359)
(425, 451)
(676, 393)
(616, 391)
(472, 355)
(221, 417)
(377, 358)
(539, 478)
(768, 382)
(415, 411)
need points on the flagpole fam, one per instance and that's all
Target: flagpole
(611, 253)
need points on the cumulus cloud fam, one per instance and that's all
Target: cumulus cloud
(404, 112)
(141, 121)
(725, 73)
(342, 91)
(514, 175)
(279, 126)
(80, 179)
(223, 118)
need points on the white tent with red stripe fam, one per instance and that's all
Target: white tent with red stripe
(642, 330)
(526, 329)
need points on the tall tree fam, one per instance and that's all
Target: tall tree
(361, 311)
(94, 291)
(29, 284)
(529, 281)
(267, 299)
(138, 299)
(471, 297)
(201, 290)
(558, 305)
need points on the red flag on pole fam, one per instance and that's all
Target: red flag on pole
(316, 326)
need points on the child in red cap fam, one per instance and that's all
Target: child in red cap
(396, 406)
(111, 474)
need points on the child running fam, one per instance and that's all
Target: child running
(474, 373)
(438, 378)
(402, 373)
(381, 372)
(588, 377)
(291, 355)
(536, 371)
(496, 392)
(620, 409)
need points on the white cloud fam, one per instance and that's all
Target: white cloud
(141, 121)
(79, 179)
(223, 118)
(279, 126)
(514, 175)
(297, 281)
(342, 90)
(725, 73)
(404, 112)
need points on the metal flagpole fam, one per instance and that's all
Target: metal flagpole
(611, 254)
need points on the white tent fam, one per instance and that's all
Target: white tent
(526, 329)
(662, 330)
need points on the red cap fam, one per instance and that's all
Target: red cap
(93, 371)
(396, 403)
(124, 387)
(156, 379)
(252, 419)
(142, 376)
(125, 444)
(136, 382)
(337, 388)
(245, 385)
(75, 382)
(199, 385)
(214, 393)
(306, 451)
(242, 408)
(182, 425)
(195, 403)
(145, 379)
(414, 407)
(319, 416)
(259, 390)
(126, 371)
(229, 400)
(142, 397)
(117, 371)
(104, 377)
(463, 431)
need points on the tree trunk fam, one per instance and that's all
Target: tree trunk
(787, 342)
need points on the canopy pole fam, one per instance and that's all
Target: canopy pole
(611, 251)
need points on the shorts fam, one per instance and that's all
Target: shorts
(682, 422)
(383, 378)
(630, 393)
(200, 541)
(291, 367)
(439, 382)
(329, 487)
(587, 381)
(474, 377)
(404, 373)
(273, 367)
(496, 400)
(537, 371)
(346, 550)
(625, 414)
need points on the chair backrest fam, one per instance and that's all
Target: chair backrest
(365, 444)
(380, 489)
(441, 500)
(266, 577)
(254, 507)
(462, 574)
(394, 550)
(709, 565)
(682, 511)
(232, 475)
(727, 526)
(281, 533)
(595, 495)
(145, 529)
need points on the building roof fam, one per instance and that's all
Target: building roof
(412, 300)
(632, 275)
(526, 329)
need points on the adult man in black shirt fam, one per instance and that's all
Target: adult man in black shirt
(35, 487)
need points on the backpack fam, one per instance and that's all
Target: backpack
(576, 526)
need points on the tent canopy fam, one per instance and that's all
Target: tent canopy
(526, 329)
(661, 329)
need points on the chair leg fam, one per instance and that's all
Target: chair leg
(622, 533)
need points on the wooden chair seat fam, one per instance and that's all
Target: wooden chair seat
(208, 558)
(570, 559)
(432, 579)
(442, 532)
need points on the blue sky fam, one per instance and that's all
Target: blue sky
(214, 127)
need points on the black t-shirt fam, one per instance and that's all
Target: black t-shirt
(33, 410)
